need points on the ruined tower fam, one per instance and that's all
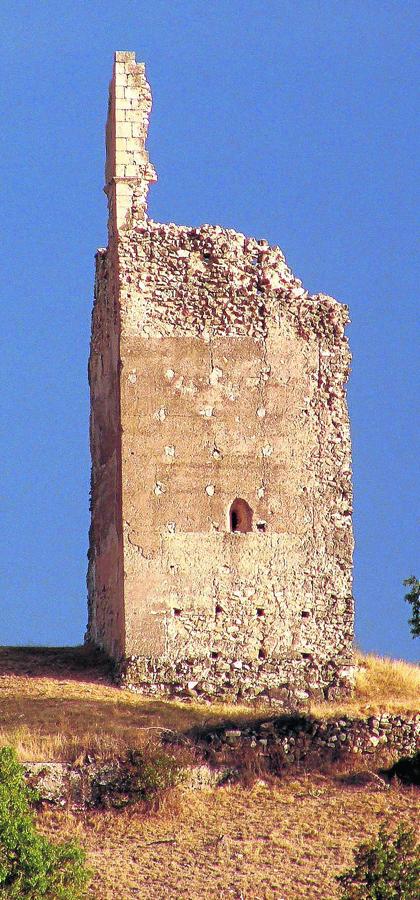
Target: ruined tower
(221, 537)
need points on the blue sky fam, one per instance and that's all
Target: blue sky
(290, 121)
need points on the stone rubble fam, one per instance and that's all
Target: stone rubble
(296, 739)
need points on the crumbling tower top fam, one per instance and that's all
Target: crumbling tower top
(128, 170)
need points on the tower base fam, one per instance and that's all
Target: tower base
(289, 683)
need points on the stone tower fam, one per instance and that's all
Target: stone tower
(221, 538)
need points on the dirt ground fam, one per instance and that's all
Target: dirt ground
(263, 843)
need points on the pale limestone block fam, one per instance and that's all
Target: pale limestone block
(132, 115)
(124, 189)
(122, 158)
(123, 130)
(121, 80)
(131, 93)
(130, 170)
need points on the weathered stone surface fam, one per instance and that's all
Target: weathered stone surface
(55, 782)
(215, 377)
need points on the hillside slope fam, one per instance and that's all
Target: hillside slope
(56, 703)
(262, 843)
(286, 839)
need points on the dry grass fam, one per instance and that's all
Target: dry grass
(286, 840)
(382, 685)
(57, 703)
(258, 844)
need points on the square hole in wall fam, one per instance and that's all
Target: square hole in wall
(260, 611)
(261, 526)
(177, 612)
(305, 614)
(214, 654)
(306, 655)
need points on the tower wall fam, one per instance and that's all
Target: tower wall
(230, 384)
(106, 625)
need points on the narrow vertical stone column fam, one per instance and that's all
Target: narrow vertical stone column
(128, 170)
(128, 173)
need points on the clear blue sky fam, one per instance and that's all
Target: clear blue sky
(293, 121)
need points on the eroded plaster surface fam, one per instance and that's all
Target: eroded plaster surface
(214, 377)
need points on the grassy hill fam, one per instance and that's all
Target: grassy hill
(265, 842)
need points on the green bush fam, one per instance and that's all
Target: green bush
(386, 868)
(413, 597)
(156, 772)
(143, 775)
(31, 867)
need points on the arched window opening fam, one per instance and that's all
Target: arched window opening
(240, 516)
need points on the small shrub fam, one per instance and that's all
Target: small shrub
(413, 597)
(31, 867)
(156, 772)
(387, 868)
(143, 775)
